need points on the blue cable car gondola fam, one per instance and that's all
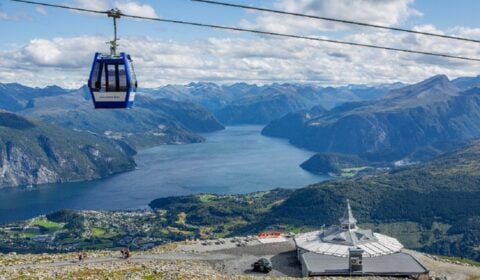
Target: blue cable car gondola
(112, 81)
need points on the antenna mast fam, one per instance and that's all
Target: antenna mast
(115, 14)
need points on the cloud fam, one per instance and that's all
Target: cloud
(384, 12)
(134, 8)
(60, 53)
(473, 33)
(66, 61)
(127, 7)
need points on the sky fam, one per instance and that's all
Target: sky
(41, 46)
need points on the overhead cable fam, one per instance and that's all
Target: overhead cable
(344, 21)
(261, 32)
(61, 6)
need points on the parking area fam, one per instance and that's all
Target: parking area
(234, 256)
(209, 245)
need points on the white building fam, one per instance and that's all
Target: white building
(346, 249)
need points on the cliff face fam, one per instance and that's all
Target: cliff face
(35, 153)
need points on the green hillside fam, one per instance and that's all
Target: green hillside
(433, 207)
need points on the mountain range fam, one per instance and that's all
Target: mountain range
(383, 123)
(151, 122)
(418, 118)
(242, 103)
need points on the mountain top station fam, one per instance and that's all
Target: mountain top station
(345, 249)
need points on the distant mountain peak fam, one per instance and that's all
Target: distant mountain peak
(435, 80)
(433, 89)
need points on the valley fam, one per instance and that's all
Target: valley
(422, 190)
(215, 139)
(235, 160)
(180, 114)
(431, 207)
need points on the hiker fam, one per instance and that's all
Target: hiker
(127, 254)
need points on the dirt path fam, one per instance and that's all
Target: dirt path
(136, 258)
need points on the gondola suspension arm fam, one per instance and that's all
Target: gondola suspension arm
(114, 14)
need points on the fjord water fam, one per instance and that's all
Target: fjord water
(235, 160)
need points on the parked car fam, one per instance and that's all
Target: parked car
(262, 265)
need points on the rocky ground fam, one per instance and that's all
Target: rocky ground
(188, 261)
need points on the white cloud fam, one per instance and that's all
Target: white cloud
(384, 12)
(66, 61)
(473, 33)
(126, 6)
(134, 8)
(60, 52)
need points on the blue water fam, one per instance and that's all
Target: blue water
(235, 160)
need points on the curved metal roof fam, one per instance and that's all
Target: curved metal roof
(381, 245)
(337, 239)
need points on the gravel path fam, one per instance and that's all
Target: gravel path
(136, 258)
(221, 259)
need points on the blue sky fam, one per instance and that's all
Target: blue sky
(42, 46)
(61, 22)
(443, 14)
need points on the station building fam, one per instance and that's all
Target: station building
(345, 250)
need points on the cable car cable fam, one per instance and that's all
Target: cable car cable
(338, 20)
(61, 6)
(231, 28)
